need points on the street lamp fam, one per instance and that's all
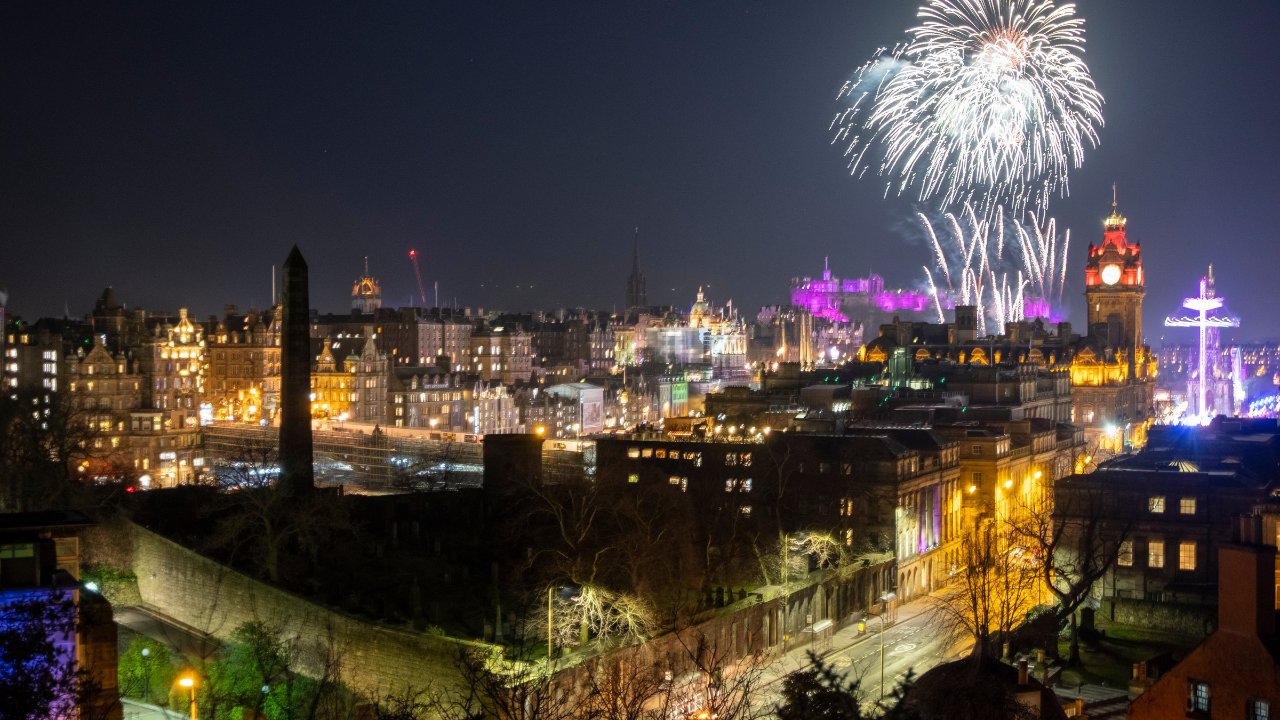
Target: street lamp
(189, 682)
(146, 673)
(883, 599)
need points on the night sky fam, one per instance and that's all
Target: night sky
(177, 150)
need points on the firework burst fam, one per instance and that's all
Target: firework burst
(988, 104)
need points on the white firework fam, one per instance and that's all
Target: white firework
(976, 259)
(989, 104)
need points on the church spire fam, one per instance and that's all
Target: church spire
(636, 296)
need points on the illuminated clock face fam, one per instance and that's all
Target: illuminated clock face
(1111, 274)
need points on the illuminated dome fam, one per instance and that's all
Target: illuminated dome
(366, 294)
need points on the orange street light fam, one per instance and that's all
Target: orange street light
(189, 682)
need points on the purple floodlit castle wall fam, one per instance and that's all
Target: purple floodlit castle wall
(831, 297)
(825, 297)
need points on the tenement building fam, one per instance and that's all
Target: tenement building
(244, 366)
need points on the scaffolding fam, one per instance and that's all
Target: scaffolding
(368, 458)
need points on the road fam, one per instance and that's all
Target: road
(914, 642)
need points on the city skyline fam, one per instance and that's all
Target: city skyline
(535, 175)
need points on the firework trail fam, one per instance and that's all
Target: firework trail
(973, 252)
(988, 104)
(933, 290)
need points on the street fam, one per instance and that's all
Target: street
(914, 642)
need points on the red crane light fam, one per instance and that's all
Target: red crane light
(413, 257)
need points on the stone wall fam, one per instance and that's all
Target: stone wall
(1190, 620)
(215, 599)
(767, 627)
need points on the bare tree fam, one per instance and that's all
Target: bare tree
(259, 510)
(1074, 539)
(996, 589)
(50, 451)
(437, 467)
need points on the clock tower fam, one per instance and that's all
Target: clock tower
(1114, 282)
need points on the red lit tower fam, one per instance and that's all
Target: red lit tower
(1114, 282)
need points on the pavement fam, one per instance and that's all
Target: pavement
(134, 710)
(913, 642)
(188, 640)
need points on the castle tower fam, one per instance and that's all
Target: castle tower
(366, 295)
(1114, 284)
(636, 296)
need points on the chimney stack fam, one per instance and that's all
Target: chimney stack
(1246, 582)
(1023, 675)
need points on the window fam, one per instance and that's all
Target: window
(746, 459)
(647, 452)
(1187, 555)
(728, 485)
(633, 478)
(1258, 710)
(1188, 506)
(977, 478)
(977, 449)
(674, 480)
(661, 453)
(1197, 696)
(746, 485)
(1125, 558)
(846, 468)
(1156, 504)
(10, 552)
(746, 510)
(1155, 554)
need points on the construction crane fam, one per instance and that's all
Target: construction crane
(413, 255)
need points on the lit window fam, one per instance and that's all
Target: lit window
(1259, 710)
(1188, 506)
(633, 478)
(1187, 555)
(10, 552)
(647, 452)
(1198, 696)
(728, 485)
(746, 510)
(1155, 554)
(674, 480)
(1156, 503)
(1125, 558)
(633, 452)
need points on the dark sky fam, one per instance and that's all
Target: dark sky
(177, 150)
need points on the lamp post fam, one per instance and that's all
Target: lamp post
(884, 599)
(189, 682)
(146, 673)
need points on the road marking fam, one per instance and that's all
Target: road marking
(904, 648)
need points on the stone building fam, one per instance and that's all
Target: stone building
(244, 367)
(175, 360)
(443, 333)
(370, 373)
(501, 354)
(332, 385)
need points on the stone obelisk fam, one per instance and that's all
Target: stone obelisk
(295, 376)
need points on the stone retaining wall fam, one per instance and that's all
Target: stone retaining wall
(215, 599)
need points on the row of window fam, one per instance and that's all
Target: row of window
(1186, 505)
(1156, 554)
(1199, 697)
